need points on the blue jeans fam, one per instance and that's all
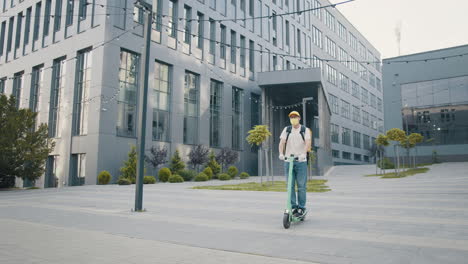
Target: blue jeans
(299, 175)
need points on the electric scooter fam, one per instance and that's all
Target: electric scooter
(288, 216)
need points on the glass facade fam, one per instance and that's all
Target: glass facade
(438, 109)
(161, 101)
(126, 102)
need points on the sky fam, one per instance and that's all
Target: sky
(425, 24)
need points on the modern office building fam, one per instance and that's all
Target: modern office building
(216, 70)
(427, 93)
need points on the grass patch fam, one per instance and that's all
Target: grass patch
(277, 186)
(402, 174)
(32, 188)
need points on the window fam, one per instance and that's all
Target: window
(200, 29)
(223, 42)
(216, 99)
(353, 65)
(17, 87)
(345, 109)
(330, 21)
(343, 57)
(353, 41)
(69, 17)
(47, 17)
(287, 34)
(335, 133)
(78, 169)
(317, 63)
(365, 141)
(374, 122)
(365, 96)
(365, 118)
(378, 83)
(213, 4)
(342, 32)
(233, 47)
(255, 110)
(373, 101)
(191, 108)
(366, 158)
(158, 14)
(138, 14)
(2, 37)
(317, 9)
(212, 37)
(2, 84)
(251, 56)
(161, 101)
(237, 118)
(363, 72)
(51, 177)
(356, 139)
(335, 107)
(346, 136)
(37, 21)
(356, 114)
(83, 83)
(187, 24)
(344, 82)
(10, 34)
(173, 17)
(380, 125)
(371, 79)
(242, 51)
(357, 157)
(330, 47)
(299, 42)
(335, 153)
(36, 88)
(58, 15)
(27, 27)
(379, 104)
(346, 155)
(58, 83)
(83, 8)
(332, 76)
(355, 89)
(317, 37)
(19, 23)
(127, 100)
(251, 8)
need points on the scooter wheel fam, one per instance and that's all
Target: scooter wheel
(286, 221)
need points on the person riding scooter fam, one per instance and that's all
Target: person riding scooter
(296, 140)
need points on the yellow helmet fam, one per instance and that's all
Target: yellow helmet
(294, 113)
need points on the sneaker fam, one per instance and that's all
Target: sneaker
(300, 212)
(295, 212)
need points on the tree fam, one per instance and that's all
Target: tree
(415, 139)
(128, 171)
(397, 135)
(23, 149)
(158, 156)
(213, 164)
(198, 156)
(176, 164)
(257, 136)
(226, 157)
(381, 141)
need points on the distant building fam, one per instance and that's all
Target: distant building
(427, 93)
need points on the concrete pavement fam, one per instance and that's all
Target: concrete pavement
(418, 219)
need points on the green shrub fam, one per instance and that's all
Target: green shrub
(164, 174)
(201, 177)
(176, 178)
(124, 181)
(224, 177)
(244, 175)
(188, 175)
(232, 171)
(214, 165)
(149, 180)
(104, 177)
(208, 172)
(386, 164)
(176, 164)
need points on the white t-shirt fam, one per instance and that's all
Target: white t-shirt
(295, 144)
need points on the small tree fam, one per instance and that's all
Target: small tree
(176, 164)
(128, 171)
(257, 136)
(198, 156)
(23, 149)
(213, 165)
(158, 156)
(381, 141)
(397, 135)
(415, 139)
(226, 157)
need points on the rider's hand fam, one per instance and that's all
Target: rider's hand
(281, 157)
(303, 157)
